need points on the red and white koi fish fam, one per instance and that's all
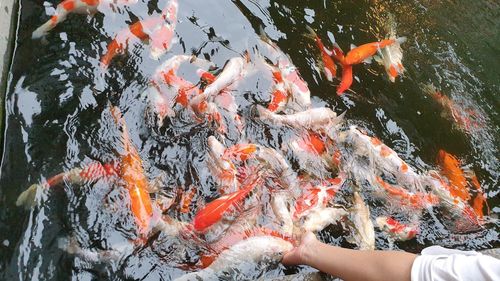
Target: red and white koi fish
(158, 30)
(279, 92)
(89, 173)
(391, 58)
(312, 154)
(298, 95)
(315, 119)
(318, 219)
(364, 233)
(316, 196)
(215, 210)
(329, 67)
(395, 229)
(465, 119)
(132, 174)
(238, 257)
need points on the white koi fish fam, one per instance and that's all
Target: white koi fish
(279, 204)
(364, 235)
(318, 219)
(243, 258)
(321, 118)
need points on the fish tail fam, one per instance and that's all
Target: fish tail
(113, 49)
(401, 40)
(310, 33)
(346, 81)
(27, 198)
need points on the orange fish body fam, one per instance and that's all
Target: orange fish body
(361, 53)
(346, 81)
(213, 211)
(450, 168)
(132, 173)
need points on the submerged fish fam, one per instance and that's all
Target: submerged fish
(329, 67)
(395, 229)
(359, 54)
(321, 118)
(364, 233)
(158, 30)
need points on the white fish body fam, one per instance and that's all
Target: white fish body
(282, 211)
(315, 119)
(243, 257)
(318, 219)
(363, 226)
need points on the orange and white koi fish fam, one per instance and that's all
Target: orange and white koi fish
(158, 30)
(252, 250)
(465, 218)
(359, 54)
(316, 196)
(364, 233)
(395, 229)
(329, 67)
(279, 92)
(221, 166)
(391, 58)
(312, 152)
(215, 210)
(67, 7)
(233, 71)
(418, 200)
(298, 95)
(132, 174)
(89, 173)
(315, 119)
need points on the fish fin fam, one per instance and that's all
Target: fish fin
(310, 33)
(27, 198)
(401, 40)
(353, 46)
(378, 59)
(368, 60)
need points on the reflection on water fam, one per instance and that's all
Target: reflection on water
(58, 118)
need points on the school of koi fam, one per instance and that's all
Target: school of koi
(268, 195)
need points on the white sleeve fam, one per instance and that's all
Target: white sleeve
(437, 263)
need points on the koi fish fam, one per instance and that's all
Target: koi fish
(450, 168)
(318, 219)
(364, 235)
(279, 93)
(463, 119)
(316, 196)
(315, 119)
(132, 173)
(219, 164)
(279, 204)
(187, 199)
(214, 211)
(233, 71)
(67, 7)
(298, 95)
(238, 258)
(329, 68)
(89, 173)
(276, 162)
(395, 229)
(346, 80)
(417, 200)
(391, 57)
(359, 54)
(159, 31)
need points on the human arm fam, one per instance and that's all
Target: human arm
(349, 264)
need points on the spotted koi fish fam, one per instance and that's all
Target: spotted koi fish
(158, 30)
(395, 229)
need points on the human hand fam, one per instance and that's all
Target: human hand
(302, 253)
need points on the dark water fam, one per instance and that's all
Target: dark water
(57, 100)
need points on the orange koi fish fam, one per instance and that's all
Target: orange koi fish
(365, 51)
(395, 229)
(214, 211)
(132, 173)
(159, 31)
(89, 173)
(329, 67)
(346, 80)
(187, 199)
(450, 168)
